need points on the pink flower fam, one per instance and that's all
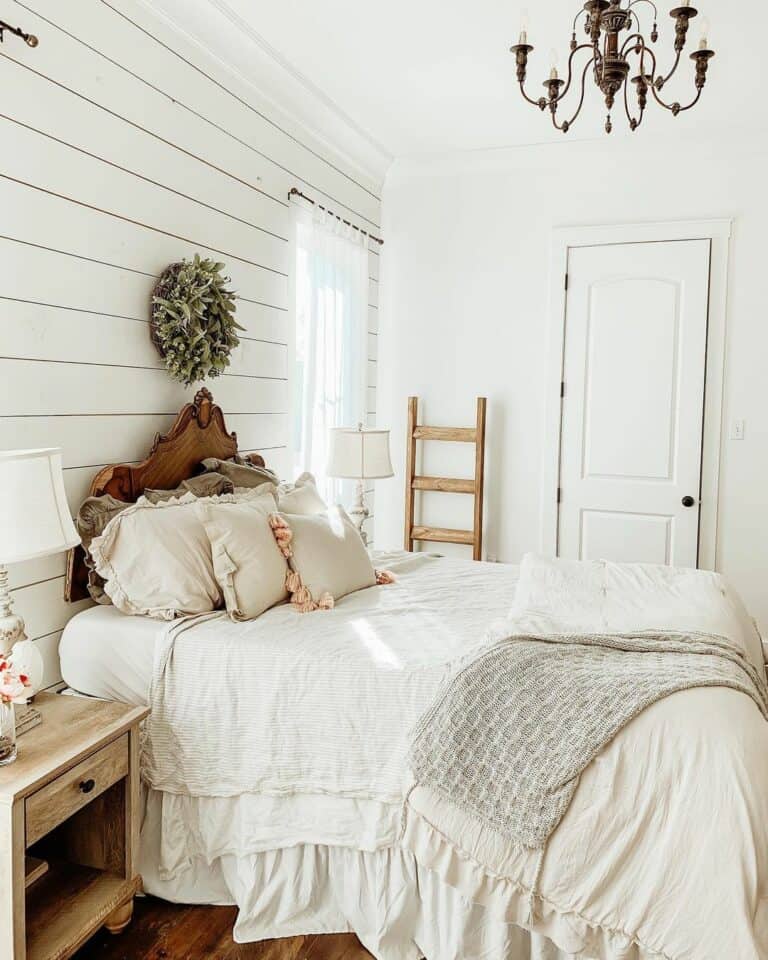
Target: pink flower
(11, 684)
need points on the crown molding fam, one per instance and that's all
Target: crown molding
(297, 104)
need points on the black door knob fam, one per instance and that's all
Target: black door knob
(688, 501)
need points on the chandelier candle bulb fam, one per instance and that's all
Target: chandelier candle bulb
(524, 25)
(704, 39)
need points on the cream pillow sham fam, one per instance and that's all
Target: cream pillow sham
(247, 562)
(300, 497)
(328, 560)
(155, 559)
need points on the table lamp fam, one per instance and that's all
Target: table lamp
(35, 521)
(358, 454)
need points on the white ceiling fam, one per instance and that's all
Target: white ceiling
(416, 77)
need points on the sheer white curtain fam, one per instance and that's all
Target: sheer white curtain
(331, 346)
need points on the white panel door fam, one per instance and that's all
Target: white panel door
(633, 404)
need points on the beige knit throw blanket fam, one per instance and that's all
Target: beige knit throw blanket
(510, 733)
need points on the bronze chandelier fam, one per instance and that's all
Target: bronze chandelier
(611, 58)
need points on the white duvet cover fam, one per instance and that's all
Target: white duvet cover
(662, 855)
(663, 852)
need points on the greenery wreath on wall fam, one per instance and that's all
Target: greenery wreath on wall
(193, 320)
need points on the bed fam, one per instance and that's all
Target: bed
(663, 854)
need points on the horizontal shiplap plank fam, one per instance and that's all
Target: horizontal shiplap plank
(77, 484)
(52, 109)
(373, 294)
(58, 168)
(140, 81)
(262, 322)
(34, 332)
(373, 320)
(32, 272)
(372, 373)
(91, 441)
(49, 648)
(63, 224)
(373, 347)
(371, 394)
(35, 571)
(169, 61)
(34, 388)
(43, 607)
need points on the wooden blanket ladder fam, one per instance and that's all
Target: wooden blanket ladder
(476, 435)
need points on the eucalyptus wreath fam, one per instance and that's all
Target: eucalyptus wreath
(193, 319)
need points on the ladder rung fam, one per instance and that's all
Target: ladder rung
(456, 434)
(444, 484)
(442, 535)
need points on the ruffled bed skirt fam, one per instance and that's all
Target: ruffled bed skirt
(398, 909)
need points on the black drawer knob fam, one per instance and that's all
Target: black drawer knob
(87, 785)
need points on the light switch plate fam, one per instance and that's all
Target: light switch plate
(737, 429)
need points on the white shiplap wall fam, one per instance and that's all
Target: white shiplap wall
(123, 147)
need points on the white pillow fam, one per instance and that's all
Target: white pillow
(247, 562)
(327, 558)
(300, 497)
(156, 560)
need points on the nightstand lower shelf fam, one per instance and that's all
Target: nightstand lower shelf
(68, 904)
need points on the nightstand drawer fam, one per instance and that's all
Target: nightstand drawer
(58, 800)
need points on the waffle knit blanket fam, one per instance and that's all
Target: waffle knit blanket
(508, 736)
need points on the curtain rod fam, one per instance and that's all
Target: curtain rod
(295, 192)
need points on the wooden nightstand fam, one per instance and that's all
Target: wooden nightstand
(69, 828)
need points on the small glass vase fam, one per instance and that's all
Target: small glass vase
(7, 733)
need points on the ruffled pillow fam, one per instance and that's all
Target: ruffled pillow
(301, 497)
(155, 559)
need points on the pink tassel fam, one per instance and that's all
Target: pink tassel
(307, 607)
(326, 601)
(282, 533)
(292, 581)
(385, 576)
(302, 595)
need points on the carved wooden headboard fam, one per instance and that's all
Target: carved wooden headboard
(198, 432)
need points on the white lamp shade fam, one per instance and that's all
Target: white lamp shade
(34, 515)
(357, 454)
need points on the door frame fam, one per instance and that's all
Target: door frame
(564, 239)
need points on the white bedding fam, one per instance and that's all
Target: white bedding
(663, 852)
(675, 808)
(105, 653)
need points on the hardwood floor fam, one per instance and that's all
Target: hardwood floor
(167, 931)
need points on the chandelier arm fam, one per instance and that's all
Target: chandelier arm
(652, 84)
(657, 98)
(587, 65)
(649, 2)
(534, 103)
(634, 122)
(637, 19)
(693, 102)
(566, 88)
(632, 41)
(580, 13)
(675, 65)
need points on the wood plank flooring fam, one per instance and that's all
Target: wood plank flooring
(167, 931)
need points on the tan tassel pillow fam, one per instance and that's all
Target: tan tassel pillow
(327, 558)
